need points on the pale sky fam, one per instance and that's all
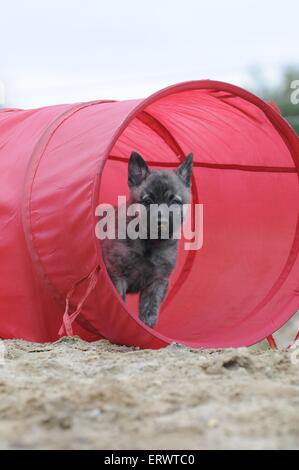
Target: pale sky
(55, 51)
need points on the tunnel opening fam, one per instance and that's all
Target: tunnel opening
(247, 181)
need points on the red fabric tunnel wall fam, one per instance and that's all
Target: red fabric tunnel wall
(57, 163)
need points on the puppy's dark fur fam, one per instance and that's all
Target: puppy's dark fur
(145, 265)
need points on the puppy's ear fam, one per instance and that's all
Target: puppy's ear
(184, 171)
(138, 170)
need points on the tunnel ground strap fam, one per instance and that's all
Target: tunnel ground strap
(69, 318)
(295, 340)
(272, 342)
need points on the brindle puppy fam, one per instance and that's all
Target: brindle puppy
(145, 265)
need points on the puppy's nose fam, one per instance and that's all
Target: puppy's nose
(162, 223)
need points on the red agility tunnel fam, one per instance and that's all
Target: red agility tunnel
(59, 162)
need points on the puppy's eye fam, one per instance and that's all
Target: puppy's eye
(175, 200)
(147, 201)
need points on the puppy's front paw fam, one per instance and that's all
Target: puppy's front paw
(150, 321)
(149, 318)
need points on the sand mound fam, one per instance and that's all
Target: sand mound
(72, 394)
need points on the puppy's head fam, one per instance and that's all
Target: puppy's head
(162, 192)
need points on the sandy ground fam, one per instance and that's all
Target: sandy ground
(75, 395)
